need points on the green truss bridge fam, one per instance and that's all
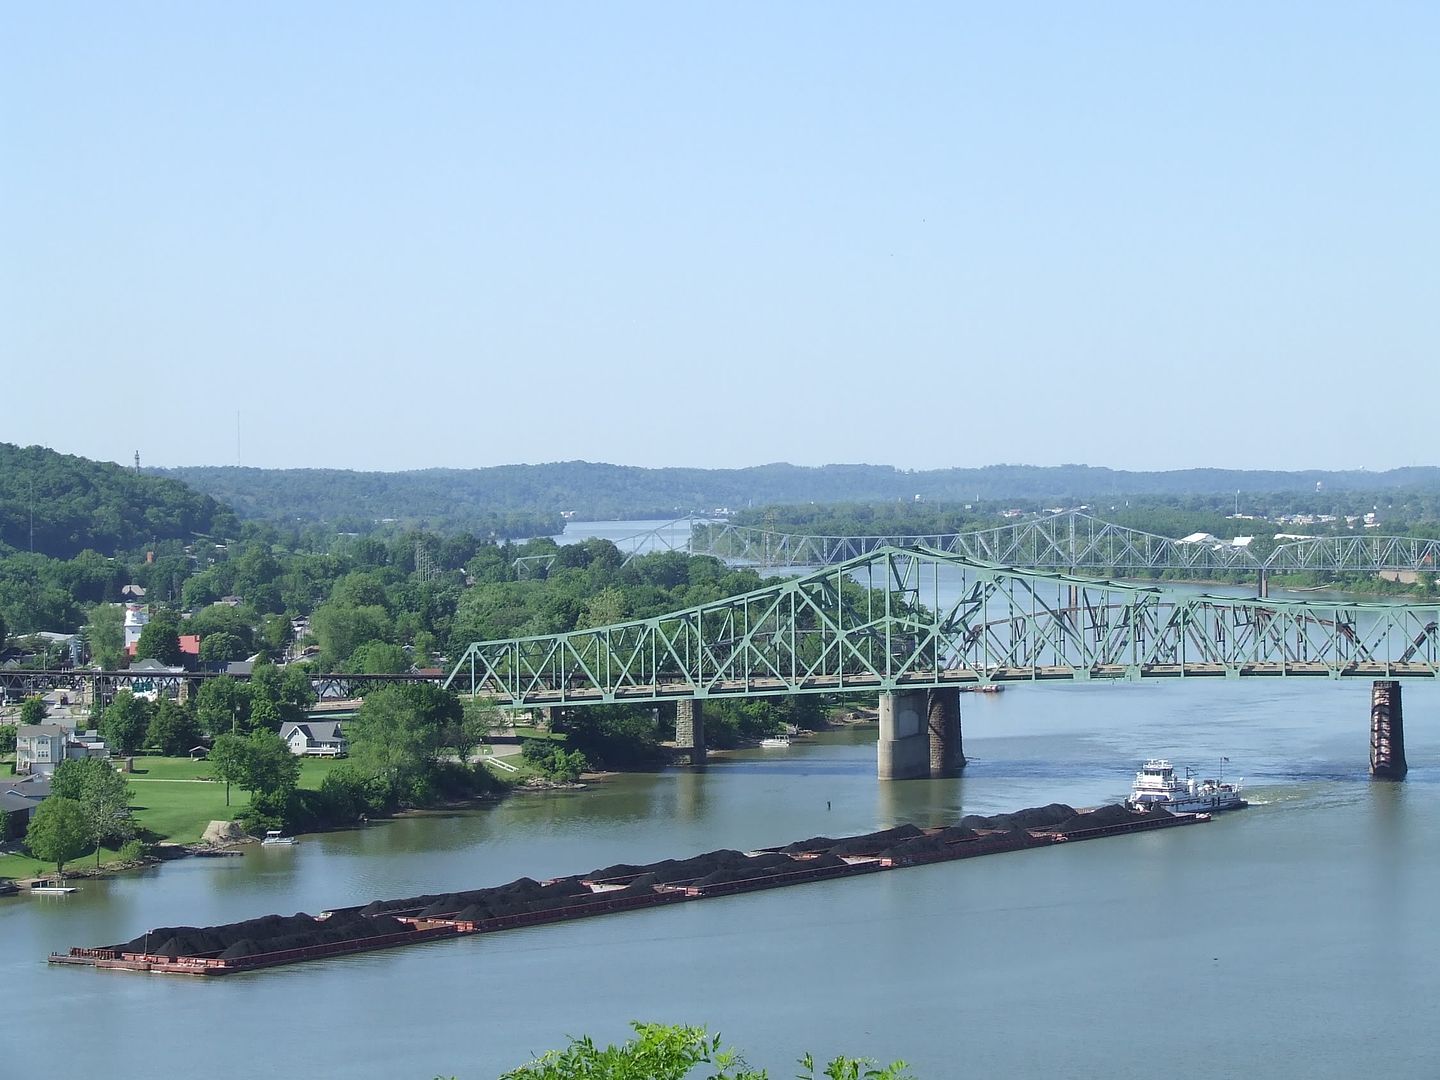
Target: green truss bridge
(914, 621)
(1074, 540)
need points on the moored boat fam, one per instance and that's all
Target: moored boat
(1156, 785)
(51, 887)
(275, 838)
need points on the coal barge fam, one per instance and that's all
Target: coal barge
(276, 939)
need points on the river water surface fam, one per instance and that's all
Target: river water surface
(1293, 939)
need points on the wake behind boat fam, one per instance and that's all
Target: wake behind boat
(1157, 785)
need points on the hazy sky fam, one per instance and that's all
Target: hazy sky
(392, 236)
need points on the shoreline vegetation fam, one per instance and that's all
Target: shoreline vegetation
(113, 561)
(176, 800)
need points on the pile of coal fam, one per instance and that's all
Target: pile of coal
(268, 934)
(1034, 817)
(1104, 816)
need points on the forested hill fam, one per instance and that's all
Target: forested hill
(596, 491)
(78, 504)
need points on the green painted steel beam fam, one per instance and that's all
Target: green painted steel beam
(877, 622)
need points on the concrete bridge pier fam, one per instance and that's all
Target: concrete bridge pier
(947, 753)
(690, 733)
(903, 752)
(1387, 732)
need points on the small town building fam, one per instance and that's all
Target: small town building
(39, 748)
(314, 738)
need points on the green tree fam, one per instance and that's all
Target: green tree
(7, 738)
(379, 658)
(223, 705)
(227, 761)
(160, 638)
(222, 647)
(103, 797)
(341, 628)
(126, 722)
(58, 832)
(398, 733)
(33, 711)
(270, 767)
(477, 720)
(278, 695)
(260, 763)
(172, 728)
(105, 630)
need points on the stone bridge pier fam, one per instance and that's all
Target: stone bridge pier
(690, 733)
(920, 734)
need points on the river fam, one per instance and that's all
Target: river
(1292, 939)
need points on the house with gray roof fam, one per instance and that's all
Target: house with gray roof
(315, 738)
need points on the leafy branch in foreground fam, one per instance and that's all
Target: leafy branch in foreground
(671, 1052)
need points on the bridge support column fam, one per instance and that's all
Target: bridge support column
(1387, 732)
(947, 754)
(690, 733)
(904, 749)
(1264, 587)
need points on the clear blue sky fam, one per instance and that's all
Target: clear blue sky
(403, 235)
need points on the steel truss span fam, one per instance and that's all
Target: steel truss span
(1072, 541)
(878, 622)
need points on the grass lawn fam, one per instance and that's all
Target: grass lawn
(173, 799)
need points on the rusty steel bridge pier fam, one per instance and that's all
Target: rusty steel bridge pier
(1387, 731)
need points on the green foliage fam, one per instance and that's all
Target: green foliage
(478, 719)
(132, 851)
(260, 763)
(222, 705)
(105, 631)
(673, 1052)
(126, 722)
(172, 728)
(551, 759)
(341, 628)
(160, 638)
(222, 647)
(613, 736)
(398, 733)
(33, 711)
(358, 501)
(102, 795)
(7, 738)
(278, 696)
(79, 504)
(58, 831)
(379, 658)
(350, 794)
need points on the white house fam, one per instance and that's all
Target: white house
(41, 747)
(314, 738)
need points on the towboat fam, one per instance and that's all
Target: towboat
(275, 838)
(1157, 785)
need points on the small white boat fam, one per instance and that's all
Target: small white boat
(1157, 785)
(778, 743)
(52, 887)
(275, 838)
